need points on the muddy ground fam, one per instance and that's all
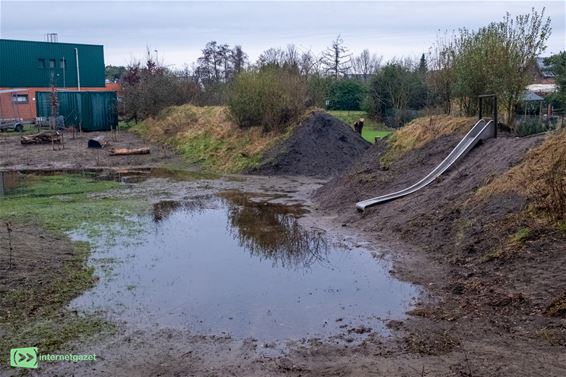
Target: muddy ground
(495, 312)
(76, 155)
(476, 318)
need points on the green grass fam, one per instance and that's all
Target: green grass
(204, 149)
(51, 185)
(370, 134)
(123, 125)
(28, 130)
(53, 334)
(63, 203)
(207, 137)
(57, 204)
(521, 235)
(492, 255)
(371, 130)
(38, 316)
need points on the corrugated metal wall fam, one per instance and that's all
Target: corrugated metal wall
(92, 111)
(20, 64)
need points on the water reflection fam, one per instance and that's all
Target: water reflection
(165, 208)
(233, 265)
(272, 231)
(139, 175)
(266, 230)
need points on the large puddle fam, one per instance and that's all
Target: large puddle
(234, 264)
(227, 265)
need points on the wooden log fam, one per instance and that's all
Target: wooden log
(128, 151)
(45, 137)
(97, 142)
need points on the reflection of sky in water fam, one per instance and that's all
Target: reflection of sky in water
(244, 268)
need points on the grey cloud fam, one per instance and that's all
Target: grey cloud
(180, 29)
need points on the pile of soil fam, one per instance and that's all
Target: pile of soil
(320, 146)
(479, 290)
(426, 218)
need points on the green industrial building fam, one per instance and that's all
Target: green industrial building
(34, 75)
(31, 64)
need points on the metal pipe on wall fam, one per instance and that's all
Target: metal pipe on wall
(78, 69)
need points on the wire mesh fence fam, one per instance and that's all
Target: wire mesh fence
(533, 124)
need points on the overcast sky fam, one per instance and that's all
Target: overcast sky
(180, 29)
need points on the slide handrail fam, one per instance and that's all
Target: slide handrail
(477, 133)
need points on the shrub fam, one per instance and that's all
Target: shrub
(150, 88)
(271, 97)
(317, 90)
(346, 95)
(530, 127)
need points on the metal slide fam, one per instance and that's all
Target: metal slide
(480, 131)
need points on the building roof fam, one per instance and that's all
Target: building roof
(61, 43)
(542, 88)
(529, 96)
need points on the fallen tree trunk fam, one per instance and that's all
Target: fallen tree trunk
(45, 137)
(128, 151)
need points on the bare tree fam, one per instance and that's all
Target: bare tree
(149, 88)
(308, 63)
(441, 74)
(336, 59)
(272, 56)
(292, 58)
(366, 64)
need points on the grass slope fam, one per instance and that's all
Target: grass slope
(541, 178)
(207, 136)
(422, 131)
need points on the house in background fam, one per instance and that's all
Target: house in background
(29, 69)
(543, 80)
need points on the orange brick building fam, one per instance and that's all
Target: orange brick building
(28, 67)
(21, 103)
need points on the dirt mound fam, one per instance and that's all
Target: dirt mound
(503, 262)
(419, 216)
(442, 216)
(320, 146)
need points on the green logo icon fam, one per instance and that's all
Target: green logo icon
(23, 357)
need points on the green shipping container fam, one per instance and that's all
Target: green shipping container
(89, 111)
